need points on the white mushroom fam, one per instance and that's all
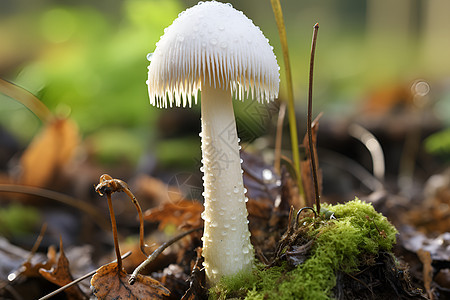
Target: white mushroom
(216, 49)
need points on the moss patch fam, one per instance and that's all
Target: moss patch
(353, 239)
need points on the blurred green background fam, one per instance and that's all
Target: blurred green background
(87, 59)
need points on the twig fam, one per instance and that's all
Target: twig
(309, 121)
(37, 242)
(27, 99)
(36, 191)
(30, 255)
(157, 252)
(78, 280)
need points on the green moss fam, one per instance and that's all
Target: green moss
(354, 238)
(18, 220)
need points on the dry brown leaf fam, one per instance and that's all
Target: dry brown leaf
(32, 270)
(49, 152)
(153, 189)
(184, 213)
(388, 99)
(261, 208)
(109, 283)
(60, 275)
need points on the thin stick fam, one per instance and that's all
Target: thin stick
(309, 121)
(55, 292)
(278, 138)
(44, 193)
(27, 99)
(30, 255)
(276, 7)
(157, 252)
(37, 242)
(114, 230)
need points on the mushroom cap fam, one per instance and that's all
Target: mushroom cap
(213, 42)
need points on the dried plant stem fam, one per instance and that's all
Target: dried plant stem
(38, 241)
(27, 99)
(309, 121)
(114, 230)
(36, 191)
(109, 185)
(276, 7)
(158, 251)
(142, 245)
(32, 252)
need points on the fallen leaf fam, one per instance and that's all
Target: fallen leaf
(60, 275)
(110, 283)
(388, 99)
(49, 152)
(155, 191)
(30, 269)
(184, 213)
(261, 208)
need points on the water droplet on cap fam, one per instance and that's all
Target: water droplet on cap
(149, 56)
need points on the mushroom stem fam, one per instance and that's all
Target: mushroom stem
(226, 239)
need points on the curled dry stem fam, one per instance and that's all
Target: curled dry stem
(300, 211)
(109, 185)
